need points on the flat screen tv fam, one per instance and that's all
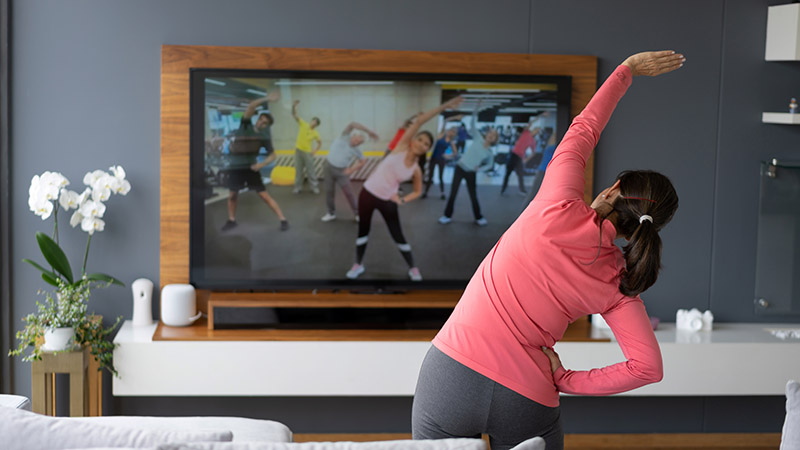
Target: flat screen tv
(243, 171)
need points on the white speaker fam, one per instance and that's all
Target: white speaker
(179, 305)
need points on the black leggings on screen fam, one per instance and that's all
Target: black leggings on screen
(437, 163)
(367, 203)
(470, 177)
(514, 164)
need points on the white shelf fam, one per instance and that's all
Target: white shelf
(785, 118)
(733, 359)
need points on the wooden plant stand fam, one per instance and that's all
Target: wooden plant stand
(85, 383)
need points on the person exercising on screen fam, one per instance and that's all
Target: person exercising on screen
(306, 146)
(475, 156)
(380, 191)
(344, 158)
(242, 169)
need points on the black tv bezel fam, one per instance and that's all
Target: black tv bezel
(197, 166)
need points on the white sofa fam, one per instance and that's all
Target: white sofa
(21, 429)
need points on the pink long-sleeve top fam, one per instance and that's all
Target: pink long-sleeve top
(540, 277)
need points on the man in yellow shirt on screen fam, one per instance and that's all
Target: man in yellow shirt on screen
(307, 145)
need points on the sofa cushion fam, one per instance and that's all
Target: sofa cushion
(26, 430)
(15, 401)
(422, 444)
(790, 436)
(243, 429)
(536, 443)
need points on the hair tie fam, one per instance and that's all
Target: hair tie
(644, 217)
(638, 198)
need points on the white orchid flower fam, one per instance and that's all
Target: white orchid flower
(33, 202)
(55, 179)
(122, 185)
(68, 199)
(104, 186)
(39, 193)
(35, 185)
(118, 172)
(92, 224)
(123, 188)
(100, 194)
(76, 218)
(91, 209)
(107, 182)
(48, 187)
(43, 208)
(85, 195)
(91, 177)
(33, 192)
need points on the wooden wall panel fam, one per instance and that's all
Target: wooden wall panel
(177, 60)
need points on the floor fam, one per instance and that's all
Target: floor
(312, 249)
(677, 441)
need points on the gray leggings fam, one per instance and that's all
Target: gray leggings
(453, 400)
(335, 176)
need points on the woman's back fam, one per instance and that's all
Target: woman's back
(545, 272)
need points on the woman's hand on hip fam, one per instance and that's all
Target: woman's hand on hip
(396, 198)
(654, 63)
(555, 361)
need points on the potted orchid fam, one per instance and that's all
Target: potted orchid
(61, 321)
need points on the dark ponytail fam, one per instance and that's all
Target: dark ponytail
(646, 203)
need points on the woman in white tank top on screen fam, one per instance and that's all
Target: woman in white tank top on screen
(381, 189)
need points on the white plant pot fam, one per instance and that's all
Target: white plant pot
(58, 339)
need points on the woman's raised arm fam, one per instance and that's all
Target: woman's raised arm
(564, 177)
(426, 116)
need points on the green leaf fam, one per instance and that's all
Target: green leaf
(104, 277)
(49, 272)
(54, 255)
(50, 278)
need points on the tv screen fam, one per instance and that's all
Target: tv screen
(279, 160)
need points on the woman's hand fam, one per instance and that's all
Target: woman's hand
(555, 361)
(453, 102)
(654, 63)
(396, 198)
(273, 96)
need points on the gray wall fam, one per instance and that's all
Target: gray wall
(85, 77)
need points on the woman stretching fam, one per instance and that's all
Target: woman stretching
(380, 189)
(517, 159)
(446, 140)
(492, 368)
(467, 169)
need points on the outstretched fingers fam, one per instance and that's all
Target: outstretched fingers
(654, 63)
(667, 63)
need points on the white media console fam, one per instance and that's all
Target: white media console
(733, 359)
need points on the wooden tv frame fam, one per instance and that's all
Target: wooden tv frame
(178, 60)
